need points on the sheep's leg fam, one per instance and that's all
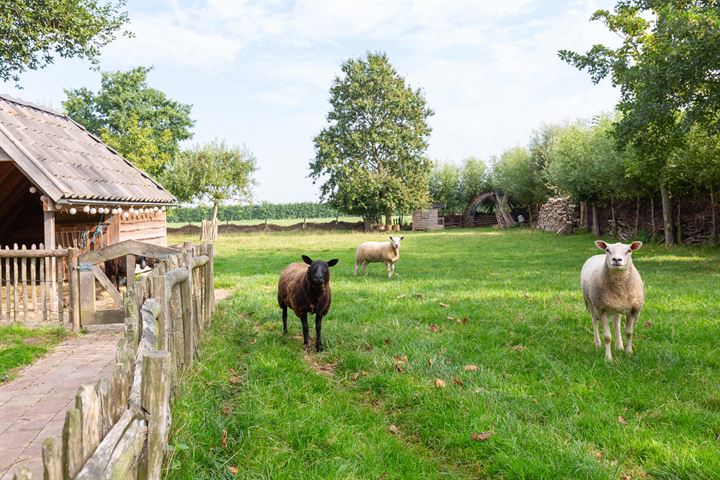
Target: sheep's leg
(318, 327)
(618, 334)
(595, 331)
(284, 316)
(606, 337)
(629, 326)
(357, 264)
(364, 265)
(306, 334)
(389, 269)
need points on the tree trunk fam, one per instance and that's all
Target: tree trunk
(367, 224)
(637, 216)
(678, 227)
(502, 211)
(530, 219)
(614, 219)
(653, 227)
(713, 217)
(213, 217)
(595, 221)
(388, 220)
(582, 221)
(667, 210)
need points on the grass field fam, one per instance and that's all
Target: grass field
(20, 346)
(282, 221)
(542, 402)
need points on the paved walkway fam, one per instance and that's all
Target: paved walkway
(33, 406)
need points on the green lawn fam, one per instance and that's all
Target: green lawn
(20, 346)
(281, 221)
(509, 303)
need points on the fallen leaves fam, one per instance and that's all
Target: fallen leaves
(387, 341)
(482, 436)
(458, 382)
(430, 362)
(517, 348)
(444, 305)
(621, 420)
(253, 341)
(439, 383)
(401, 359)
(434, 328)
(394, 429)
(233, 470)
(471, 368)
(357, 375)
(227, 409)
(235, 379)
(648, 323)
(224, 440)
(399, 369)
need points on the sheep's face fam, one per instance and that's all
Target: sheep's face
(618, 256)
(395, 242)
(318, 271)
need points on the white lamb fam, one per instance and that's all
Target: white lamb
(385, 252)
(611, 285)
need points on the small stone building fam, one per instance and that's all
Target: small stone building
(61, 186)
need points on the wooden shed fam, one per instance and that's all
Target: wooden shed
(62, 186)
(428, 218)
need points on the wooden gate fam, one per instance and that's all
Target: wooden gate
(90, 271)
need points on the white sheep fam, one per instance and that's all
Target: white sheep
(385, 252)
(611, 285)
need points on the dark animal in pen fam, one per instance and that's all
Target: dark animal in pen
(305, 289)
(116, 269)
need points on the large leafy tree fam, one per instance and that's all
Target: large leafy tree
(446, 187)
(213, 173)
(473, 179)
(34, 32)
(138, 121)
(371, 155)
(514, 175)
(667, 70)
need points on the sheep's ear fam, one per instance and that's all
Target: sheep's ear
(600, 244)
(390, 237)
(307, 259)
(635, 245)
(332, 262)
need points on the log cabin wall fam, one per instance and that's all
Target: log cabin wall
(150, 228)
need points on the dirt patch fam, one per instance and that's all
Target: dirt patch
(32, 341)
(222, 293)
(270, 227)
(327, 369)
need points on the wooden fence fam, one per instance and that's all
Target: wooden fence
(39, 286)
(209, 230)
(119, 426)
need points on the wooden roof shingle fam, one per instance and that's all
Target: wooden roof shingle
(68, 163)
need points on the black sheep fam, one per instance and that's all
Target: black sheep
(305, 288)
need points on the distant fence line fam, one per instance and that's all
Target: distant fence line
(119, 426)
(259, 212)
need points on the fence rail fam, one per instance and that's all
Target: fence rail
(119, 426)
(38, 285)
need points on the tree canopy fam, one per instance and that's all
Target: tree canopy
(34, 32)
(138, 121)
(371, 155)
(213, 173)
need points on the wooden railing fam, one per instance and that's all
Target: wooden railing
(119, 426)
(39, 286)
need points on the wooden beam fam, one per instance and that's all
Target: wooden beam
(128, 247)
(107, 285)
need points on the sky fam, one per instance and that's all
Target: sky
(259, 73)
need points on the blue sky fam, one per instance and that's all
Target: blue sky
(258, 73)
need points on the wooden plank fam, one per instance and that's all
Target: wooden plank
(33, 284)
(61, 311)
(107, 285)
(23, 281)
(88, 404)
(102, 387)
(124, 248)
(87, 296)
(52, 459)
(130, 269)
(156, 386)
(23, 473)
(72, 449)
(186, 300)
(97, 466)
(43, 287)
(15, 286)
(127, 452)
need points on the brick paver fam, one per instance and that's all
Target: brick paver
(33, 406)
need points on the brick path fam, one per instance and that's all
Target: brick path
(33, 406)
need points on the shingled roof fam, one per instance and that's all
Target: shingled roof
(68, 163)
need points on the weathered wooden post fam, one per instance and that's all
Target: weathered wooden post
(72, 444)
(211, 263)
(74, 288)
(159, 294)
(189, 324)
(52, 459)
(130, 269)
(155, 401)
(87, 293)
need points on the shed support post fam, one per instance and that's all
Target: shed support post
(87, 294)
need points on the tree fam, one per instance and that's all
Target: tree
(33, 32)
(213, 173)
(370, 157)
(666, 69)
(138, 121)
(513, 175)
(473, 179)
(446, 187)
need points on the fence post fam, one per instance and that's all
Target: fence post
(158, 293)
(52, 459)
(87, 293)
(74, 288)
(72, 444)
(155, 400)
